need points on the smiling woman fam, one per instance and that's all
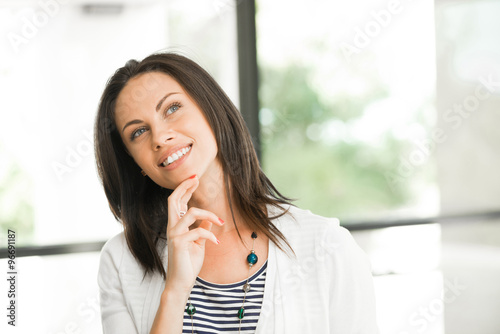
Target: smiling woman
(162, 129)
(176, 160)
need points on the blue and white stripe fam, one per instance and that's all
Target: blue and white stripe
(217, 305)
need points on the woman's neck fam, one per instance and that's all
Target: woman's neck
(211, 196)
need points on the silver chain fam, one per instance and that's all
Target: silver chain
(246, 289)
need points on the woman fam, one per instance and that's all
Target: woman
(176, 161)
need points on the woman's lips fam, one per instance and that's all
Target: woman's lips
(176, 158)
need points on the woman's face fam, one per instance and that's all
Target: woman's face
(164, 130)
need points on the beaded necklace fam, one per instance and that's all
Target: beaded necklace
(252, 259)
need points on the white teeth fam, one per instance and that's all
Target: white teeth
(176, 156)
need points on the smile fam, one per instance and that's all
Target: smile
(175, 156)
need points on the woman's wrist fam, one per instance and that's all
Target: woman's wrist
(170, 313)
(174, 296)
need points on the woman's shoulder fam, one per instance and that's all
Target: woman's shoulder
(297, 220)
(115, 253)
(318, 238)
(302, 227)
(112, 252)
(116, 245)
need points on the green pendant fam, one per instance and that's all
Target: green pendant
(252, 258)
(241, 313)
(190, 309)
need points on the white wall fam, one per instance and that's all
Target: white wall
(50, 84)
(468, 100)
(55, 62)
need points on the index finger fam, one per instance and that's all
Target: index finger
(178, 199)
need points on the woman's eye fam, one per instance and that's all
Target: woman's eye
(173, 108)
(137, 133)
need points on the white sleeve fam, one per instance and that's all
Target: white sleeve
(352, 296)
(115, 316)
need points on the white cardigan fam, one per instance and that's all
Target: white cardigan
(326, 288)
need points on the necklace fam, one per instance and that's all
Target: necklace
(252, 259)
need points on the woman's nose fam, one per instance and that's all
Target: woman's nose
(161, 137)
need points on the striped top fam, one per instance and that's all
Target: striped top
(217, 306)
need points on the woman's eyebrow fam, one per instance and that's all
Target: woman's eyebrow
(163, 99)
(135, 121)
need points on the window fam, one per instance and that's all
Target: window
(347, 97)
(54, 65)
(56, 60)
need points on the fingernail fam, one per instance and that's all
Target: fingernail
(218, 241)
(221, 221)
(192, 176)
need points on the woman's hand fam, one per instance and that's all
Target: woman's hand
(186, 248)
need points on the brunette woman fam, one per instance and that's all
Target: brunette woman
(209, 245)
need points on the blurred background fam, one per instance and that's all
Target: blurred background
(384, 114)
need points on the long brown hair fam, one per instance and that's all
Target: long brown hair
(138, 202)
